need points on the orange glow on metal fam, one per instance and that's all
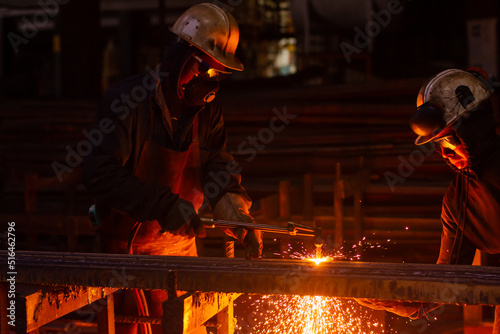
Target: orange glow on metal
(294, 314)
(320, 260)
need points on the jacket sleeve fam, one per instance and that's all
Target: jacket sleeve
(108, 169)
(222, 173)
(453, 250)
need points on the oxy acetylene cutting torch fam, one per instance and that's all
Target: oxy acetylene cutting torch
(292, 228)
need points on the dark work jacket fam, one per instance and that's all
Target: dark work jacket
(123, 123)
(472, 202)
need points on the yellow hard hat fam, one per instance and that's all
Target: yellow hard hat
(211, 29)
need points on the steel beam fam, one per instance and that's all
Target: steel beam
(394, 281)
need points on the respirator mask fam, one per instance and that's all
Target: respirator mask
(203, 86)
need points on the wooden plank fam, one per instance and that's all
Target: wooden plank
(37, 306)
(409, 189)
(403, 224)
(406, 236)
(225, 320)
(496, 324)
(184, 314)
(106, 316)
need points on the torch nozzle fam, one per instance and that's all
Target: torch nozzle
(318, 242)
(318, 251)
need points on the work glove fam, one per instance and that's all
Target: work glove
(183, 220)
(234, 207)
(412, 310)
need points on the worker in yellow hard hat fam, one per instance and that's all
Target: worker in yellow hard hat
(160, 152)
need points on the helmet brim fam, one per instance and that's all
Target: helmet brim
(436, 134)
(232, 63)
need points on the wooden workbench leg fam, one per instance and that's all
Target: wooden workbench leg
(496, 323)
(226, 322)
(225, 318)
(106, 317)
(473, 314)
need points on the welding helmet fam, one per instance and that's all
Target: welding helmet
(211, 29)
(444, 99)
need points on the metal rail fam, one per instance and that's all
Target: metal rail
(416, 282)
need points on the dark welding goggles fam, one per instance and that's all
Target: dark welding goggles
(450, 142)
(209, 73)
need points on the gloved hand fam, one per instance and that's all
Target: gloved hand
(253, 244)
(183, 220)
(234, 207)
(412, 310)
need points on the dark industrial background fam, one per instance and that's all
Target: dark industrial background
(347, 71)
(350, 111)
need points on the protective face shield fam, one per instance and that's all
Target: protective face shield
(443, 100)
